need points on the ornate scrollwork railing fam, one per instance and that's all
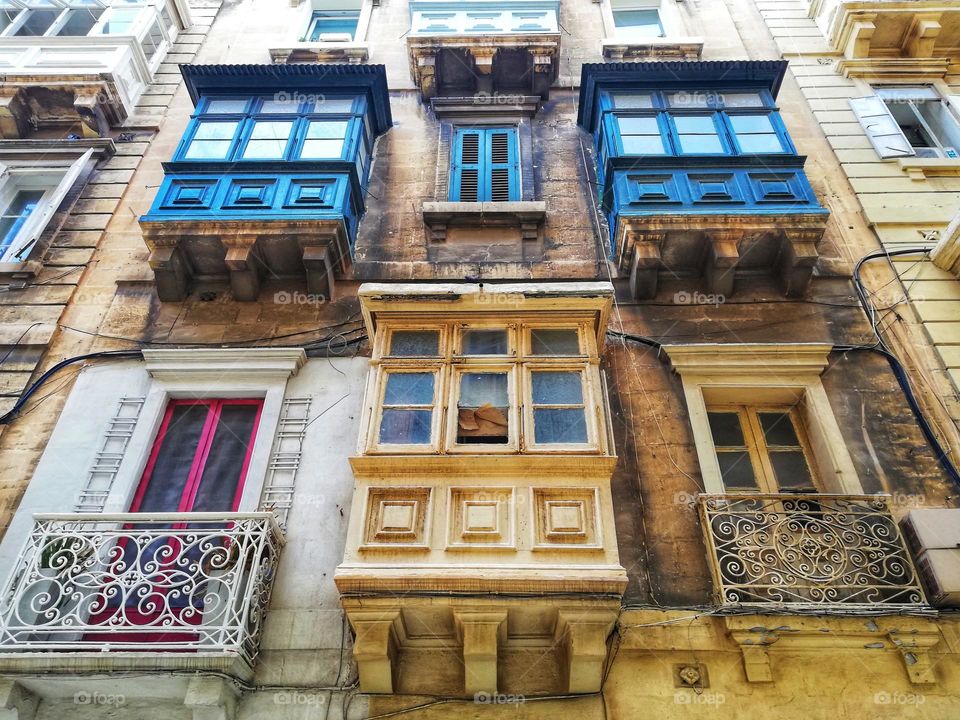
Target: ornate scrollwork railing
(808, 550)
(142, 582)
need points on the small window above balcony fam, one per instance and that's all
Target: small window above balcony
(80, 66)
(646, 30)
(328, 31)
(461, 49)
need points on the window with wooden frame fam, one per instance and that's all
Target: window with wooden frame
(485, 165)
(500, 387)
(762, 448)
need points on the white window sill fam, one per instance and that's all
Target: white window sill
(352, 52)
(680, 48)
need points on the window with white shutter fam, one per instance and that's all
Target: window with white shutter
(878, 122)
(485, 165)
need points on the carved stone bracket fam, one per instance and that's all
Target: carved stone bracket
(481, 633)
(375, 648)
(211, 698)
(584, 637)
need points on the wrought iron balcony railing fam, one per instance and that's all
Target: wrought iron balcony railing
(142, 583)
(808, 550)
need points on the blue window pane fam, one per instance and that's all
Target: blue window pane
(694, 124)
(557, 388)
(742, 100)
(700, 144)
(479, 389)
(332, 105)
(760, 143)
(632, 101)
(324, 139)
(638, 126)
(119, 21)
(751, 123)
(415, 343)
(639, 23)
(559, 425)
(643, 145)
(407, 427)
(211, 141)
(268, 139)
(409, 389)
(333, 25)
(281, 106)
(225, 106)
(16, 214)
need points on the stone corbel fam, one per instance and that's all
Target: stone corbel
(16, 702)
(481, 634)
(946, 254)
(171, 271)
(483, 61)
(861, 35)
(426, 73)
(645, 265)
(318, 264)
(723, 255)
(211, 698)
(543, 72)
(89, 106)
(922, 35)
(376, 649)
(584, 636)
(915, 652)
(798, 256)
(754, 649)
(244, 267)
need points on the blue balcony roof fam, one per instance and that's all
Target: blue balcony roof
(730, 74)
(303, 78)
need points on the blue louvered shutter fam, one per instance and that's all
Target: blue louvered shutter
(485, 165)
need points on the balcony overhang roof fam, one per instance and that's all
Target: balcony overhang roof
(767, 74)
(305, 79)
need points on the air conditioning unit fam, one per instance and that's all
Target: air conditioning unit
(934, 537)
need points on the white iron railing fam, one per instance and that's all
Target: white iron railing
(142, 582)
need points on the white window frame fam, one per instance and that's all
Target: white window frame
(55, 181)
(305, 22)
(670, 20)
(754, 374)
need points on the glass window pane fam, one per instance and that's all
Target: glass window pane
(37, 23)
(638, 126)
(119, 21)
(759, 143)
(736, 471)
(694, 124)
(742, 100)
(792, 471)
(327, 129)
(333, 105)
(15, 216)
(641, 23)
(322, 149)
(632, 100)
(7, 17)
(483, 408)
(332, 25)
(778, 429)
(409, 389)
(689, 99)
(173, 459)
(212, 140)
(700, 144)
(226, 106)
(284, 107)
(268, 139)
(751, 123)
(559, 425)
(725, 428)
(485, 342)
(415, 343)
(557, 388)
(554, 342)
(224, 463)
(643, 145)
(80, 22)
(407, 427)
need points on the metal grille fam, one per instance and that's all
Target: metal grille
(808, 550)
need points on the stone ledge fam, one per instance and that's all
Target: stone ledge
(325, 52)
(687, 48)
(527, 216)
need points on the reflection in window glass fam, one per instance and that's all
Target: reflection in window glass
(632, 101)
(786, 453)
(119, 21)
(551, 341)
(16, 214)
(483, 409)
(697, 134)
(324, 139)
(736, 468)
(80, 22)
(415, 343)
(640, 136)
(755, 134)
(485, 342)
(268, 139)
(37, 23)
(332, 105)
(333, 25)
(279, 107)
(638, 23)
(742, 100)
(407, 409)
(212, 141)
(226, 106)
(558, 409)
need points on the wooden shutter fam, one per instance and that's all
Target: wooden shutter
(465, 179)
(885, 134)
(38, 221)
(502, 165)
(485, 165)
